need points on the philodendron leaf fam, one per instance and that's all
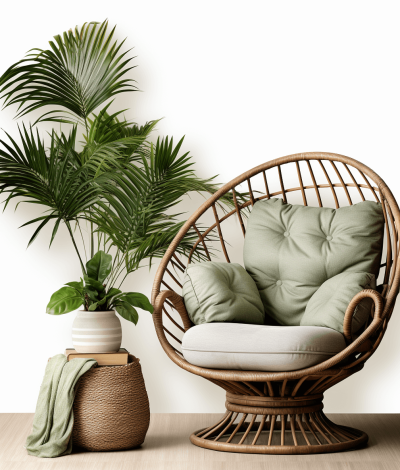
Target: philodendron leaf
(127, 311)
(92, 293)
(93, 283)
(76, 285)
(99, 267)
(65, 300)
(108, 299)
(113, 291)
(137, 300)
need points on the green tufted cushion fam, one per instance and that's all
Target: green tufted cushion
(290, 251)
(221, 292)
(328, 305)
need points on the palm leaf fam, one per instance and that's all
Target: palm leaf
(134, 213)
(46, 178)
(81, 70)
(105, 127)
(111, 143)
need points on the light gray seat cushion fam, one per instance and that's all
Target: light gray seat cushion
(290, 251)
(240, 346)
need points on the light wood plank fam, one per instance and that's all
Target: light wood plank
(167, 447)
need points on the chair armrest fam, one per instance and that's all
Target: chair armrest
(348, 317)
(177, 302)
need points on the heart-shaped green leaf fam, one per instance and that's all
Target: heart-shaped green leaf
(127, 311)
(92, 293)
(137, 300)
(112, 295)
(93, 283)
(99, 267)
(65, 300)
(113, 291)
(76, 285)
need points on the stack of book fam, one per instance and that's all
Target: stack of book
(119, 358)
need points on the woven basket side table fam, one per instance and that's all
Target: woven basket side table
(111, 408)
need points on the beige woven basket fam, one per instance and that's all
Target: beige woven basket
(111, 408)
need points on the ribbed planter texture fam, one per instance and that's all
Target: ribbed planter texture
(111, 408)
(96, 332)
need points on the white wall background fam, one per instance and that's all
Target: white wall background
(246, 82)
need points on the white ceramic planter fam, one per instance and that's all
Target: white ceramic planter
(96, 332)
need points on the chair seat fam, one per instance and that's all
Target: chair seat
(238, 346)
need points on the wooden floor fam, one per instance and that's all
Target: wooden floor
(167, 447)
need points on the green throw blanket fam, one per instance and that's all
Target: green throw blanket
(54, 417)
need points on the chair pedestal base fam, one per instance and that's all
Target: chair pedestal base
(277, 425)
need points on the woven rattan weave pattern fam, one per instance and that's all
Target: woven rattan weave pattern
(281, 412)
(111, 408)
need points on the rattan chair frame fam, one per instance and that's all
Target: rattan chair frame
(287, 403)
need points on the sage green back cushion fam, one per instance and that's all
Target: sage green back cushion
(290, 251)
(327, 307)
(221, 292)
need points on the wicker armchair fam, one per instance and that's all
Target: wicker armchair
(269, 412)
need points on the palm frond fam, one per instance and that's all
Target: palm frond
(112, 140)
(95, 158)
(105, 127)
(135, 130)
(155, 245)
(46, 178)
(134, 213)
(81, 70)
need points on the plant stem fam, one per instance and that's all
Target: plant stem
(122, 280)
(91, 240)
(75, 246)
(114, 264)
(83, 240)
(115, 271)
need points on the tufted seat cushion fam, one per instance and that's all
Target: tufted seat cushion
(259, 347)
(290, 251)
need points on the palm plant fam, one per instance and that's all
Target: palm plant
(117, 185)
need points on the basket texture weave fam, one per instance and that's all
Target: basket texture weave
(111, 408)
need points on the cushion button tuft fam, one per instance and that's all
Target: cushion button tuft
(286, 234)
(279, 283)
(329, 238)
